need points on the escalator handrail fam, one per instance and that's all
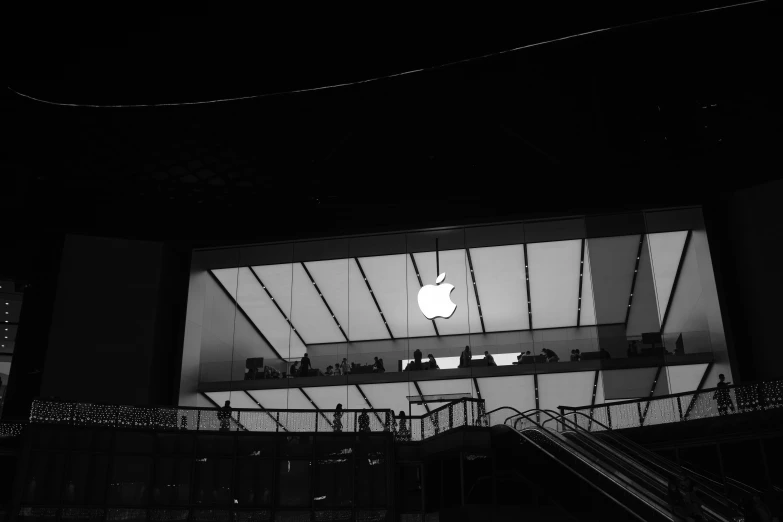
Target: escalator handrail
(666, 465)
(583, 455)
(662, 512)
(661, 479)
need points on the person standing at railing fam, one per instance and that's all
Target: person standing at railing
(305, 366)
(465, 358)
(403, 432)
(723, 396)
(432, 363)
(364, 422)
(337, 423)
(224, 416)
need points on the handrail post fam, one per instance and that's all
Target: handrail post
(465, 412)
(277, 421)
(639, 409)
(239, 417)
(609, 416)
(451, 415)
(679, 406)
(198, 420)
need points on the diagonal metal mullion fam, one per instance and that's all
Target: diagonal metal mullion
(315, 406)
(277, 305)
(475, 290)
(368, 403)
(416, 384)
(220, 407)
(527, 285)
(633, 280)
(265, 410)
(676, 280)
(324, 300)
(378, 306)
(581, 276)
(416, 268)
(244, 314)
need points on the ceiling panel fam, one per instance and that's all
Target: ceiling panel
(391, 395)
(587, 304)
(454, 264)
(500, 279)
(309, 314)
(271, 399)
(665, 251)
(565, 389)
(418, 325)
(328, 397)
(516, 392)
(297, 400)
(387, 276)
(355, 400)
(332, 278)
(263, 312)
(554, 282)
(277, 279)
(612, 263)
(366, 322)
(446, 386)
(240, 399)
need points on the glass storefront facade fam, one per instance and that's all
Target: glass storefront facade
(631, 293)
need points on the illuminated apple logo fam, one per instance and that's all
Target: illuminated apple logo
(435, 301)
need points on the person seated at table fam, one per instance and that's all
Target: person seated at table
(378, 366)
(432, 363)
(267, 372)
(550, 355)
(489, 359)
(574, 356)
(294, 370)
(345, 368)
(330, 370)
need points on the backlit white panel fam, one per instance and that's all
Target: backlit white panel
(297, 400)
(516, 392)
(418, 325)
(665, 251)
(277, 279)
(685, 378)
(446, 363)
(446, 386)
(599, 391)
(392, 395)
(500, 278)
(554, 282)
(587, 305)
(387, 276)
(239, 399)
(332, 279)
(565, 389)
(454, 263)
(328, 397)
(366, 321)
(220, 398)
(612, 262)
(355, 400)
(262, 311)
(272, 399)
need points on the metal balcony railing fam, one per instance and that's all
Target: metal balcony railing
(680, 407)
(465, 412)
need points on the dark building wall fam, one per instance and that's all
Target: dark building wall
(746, 234)
(102, 342)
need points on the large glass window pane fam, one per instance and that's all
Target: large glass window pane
(133, 442)
(44, 478)
(130, 480)
(212, 480)
(294, 483)
(76, 478)
(371, 479)
(255, 481)
(175, 443)
(172, 481)
(334, 481)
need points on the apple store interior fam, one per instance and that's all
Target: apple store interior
(571, 312)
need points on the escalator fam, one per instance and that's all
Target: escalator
(598, 477)
(588, 489)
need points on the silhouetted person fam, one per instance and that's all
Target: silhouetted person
(304, 368)
(364, 422)
(574, 356)
(345, 368)
(403, 432)
(224, 416)
(416, 364)
(329, 370)
(465, 358)
(417, 355)
(723, 396)
(433, 363)
(294, 370)
(337, 424)
(550, 355)
(378, 366)
(605, 354)
(489, 359)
